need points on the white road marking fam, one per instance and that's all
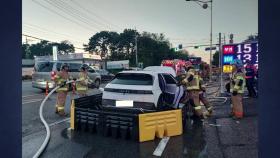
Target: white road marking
(32, 101)
(161, 146)
(31, 95)
(217, 125)
(61, 121)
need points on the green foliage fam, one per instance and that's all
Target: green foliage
(102, 43)
(45, 48)
(26, 54)
(152, 48)
(216, 58)
(251, 38)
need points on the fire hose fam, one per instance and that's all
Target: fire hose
(47, 138)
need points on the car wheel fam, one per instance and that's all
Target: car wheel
(97, 83)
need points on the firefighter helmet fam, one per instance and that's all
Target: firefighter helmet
(64, 65)
(84, 67)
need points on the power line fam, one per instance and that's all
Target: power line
(80, 13)
(72, 12)
(41, 39)
(57, 13)
(46, 32)
(201, 45)
(94, 14)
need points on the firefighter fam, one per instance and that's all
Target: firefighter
(60, 79)
(84, 80)
(250, 77)
(237, 85)
(191, 82)
(203, 98)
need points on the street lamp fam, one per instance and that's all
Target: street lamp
(204, 5)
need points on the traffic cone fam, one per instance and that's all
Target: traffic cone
(47, 88)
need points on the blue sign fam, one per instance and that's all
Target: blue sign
(228, 59)
(243, 51)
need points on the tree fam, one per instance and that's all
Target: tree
(216, 57)
(45, 48)
(102, 42)
(26, 54)
(152, 48)
(251, 38)
(64, 47)
(41, 49)
(127, 44)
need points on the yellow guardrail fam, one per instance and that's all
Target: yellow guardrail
(72, 115)
(160, 124)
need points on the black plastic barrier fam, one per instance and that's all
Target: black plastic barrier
(87, 114)
(121, 122)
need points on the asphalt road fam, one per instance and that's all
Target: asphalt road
(198, 140)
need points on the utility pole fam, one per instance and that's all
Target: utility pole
(211, 32)
(224, 38)
(221, 63)
(136, 52)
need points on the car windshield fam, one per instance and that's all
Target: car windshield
(133, 79)
(43, 66)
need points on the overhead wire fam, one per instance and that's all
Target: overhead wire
(48, 33)
(64, 8)
(83, 14)
(94, 14)
(57, 13)
(45, 29)
(41, 39)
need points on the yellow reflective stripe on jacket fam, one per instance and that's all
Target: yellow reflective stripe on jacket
(82, 85)
(194, 84)
(235, 87)
(82, 88)
(60, 108)
(197, 107)
(201, 84)
(62, 89)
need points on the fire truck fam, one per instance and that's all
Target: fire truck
(176, 64)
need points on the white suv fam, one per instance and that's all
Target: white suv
(147, 89)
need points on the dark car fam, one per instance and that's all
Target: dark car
(105, 75)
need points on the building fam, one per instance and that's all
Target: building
(86, 58)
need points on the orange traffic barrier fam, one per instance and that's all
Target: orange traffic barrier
(47, 88)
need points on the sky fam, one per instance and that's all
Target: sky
(182, 22)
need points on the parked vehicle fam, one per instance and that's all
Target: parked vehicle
(147, 89)
(46, 70)
(105, 75)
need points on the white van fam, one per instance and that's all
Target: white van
(45, 70)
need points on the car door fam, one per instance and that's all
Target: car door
(92, 74)
(171, 92)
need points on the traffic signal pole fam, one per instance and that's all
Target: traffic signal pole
(211, 32)
(221, 63)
